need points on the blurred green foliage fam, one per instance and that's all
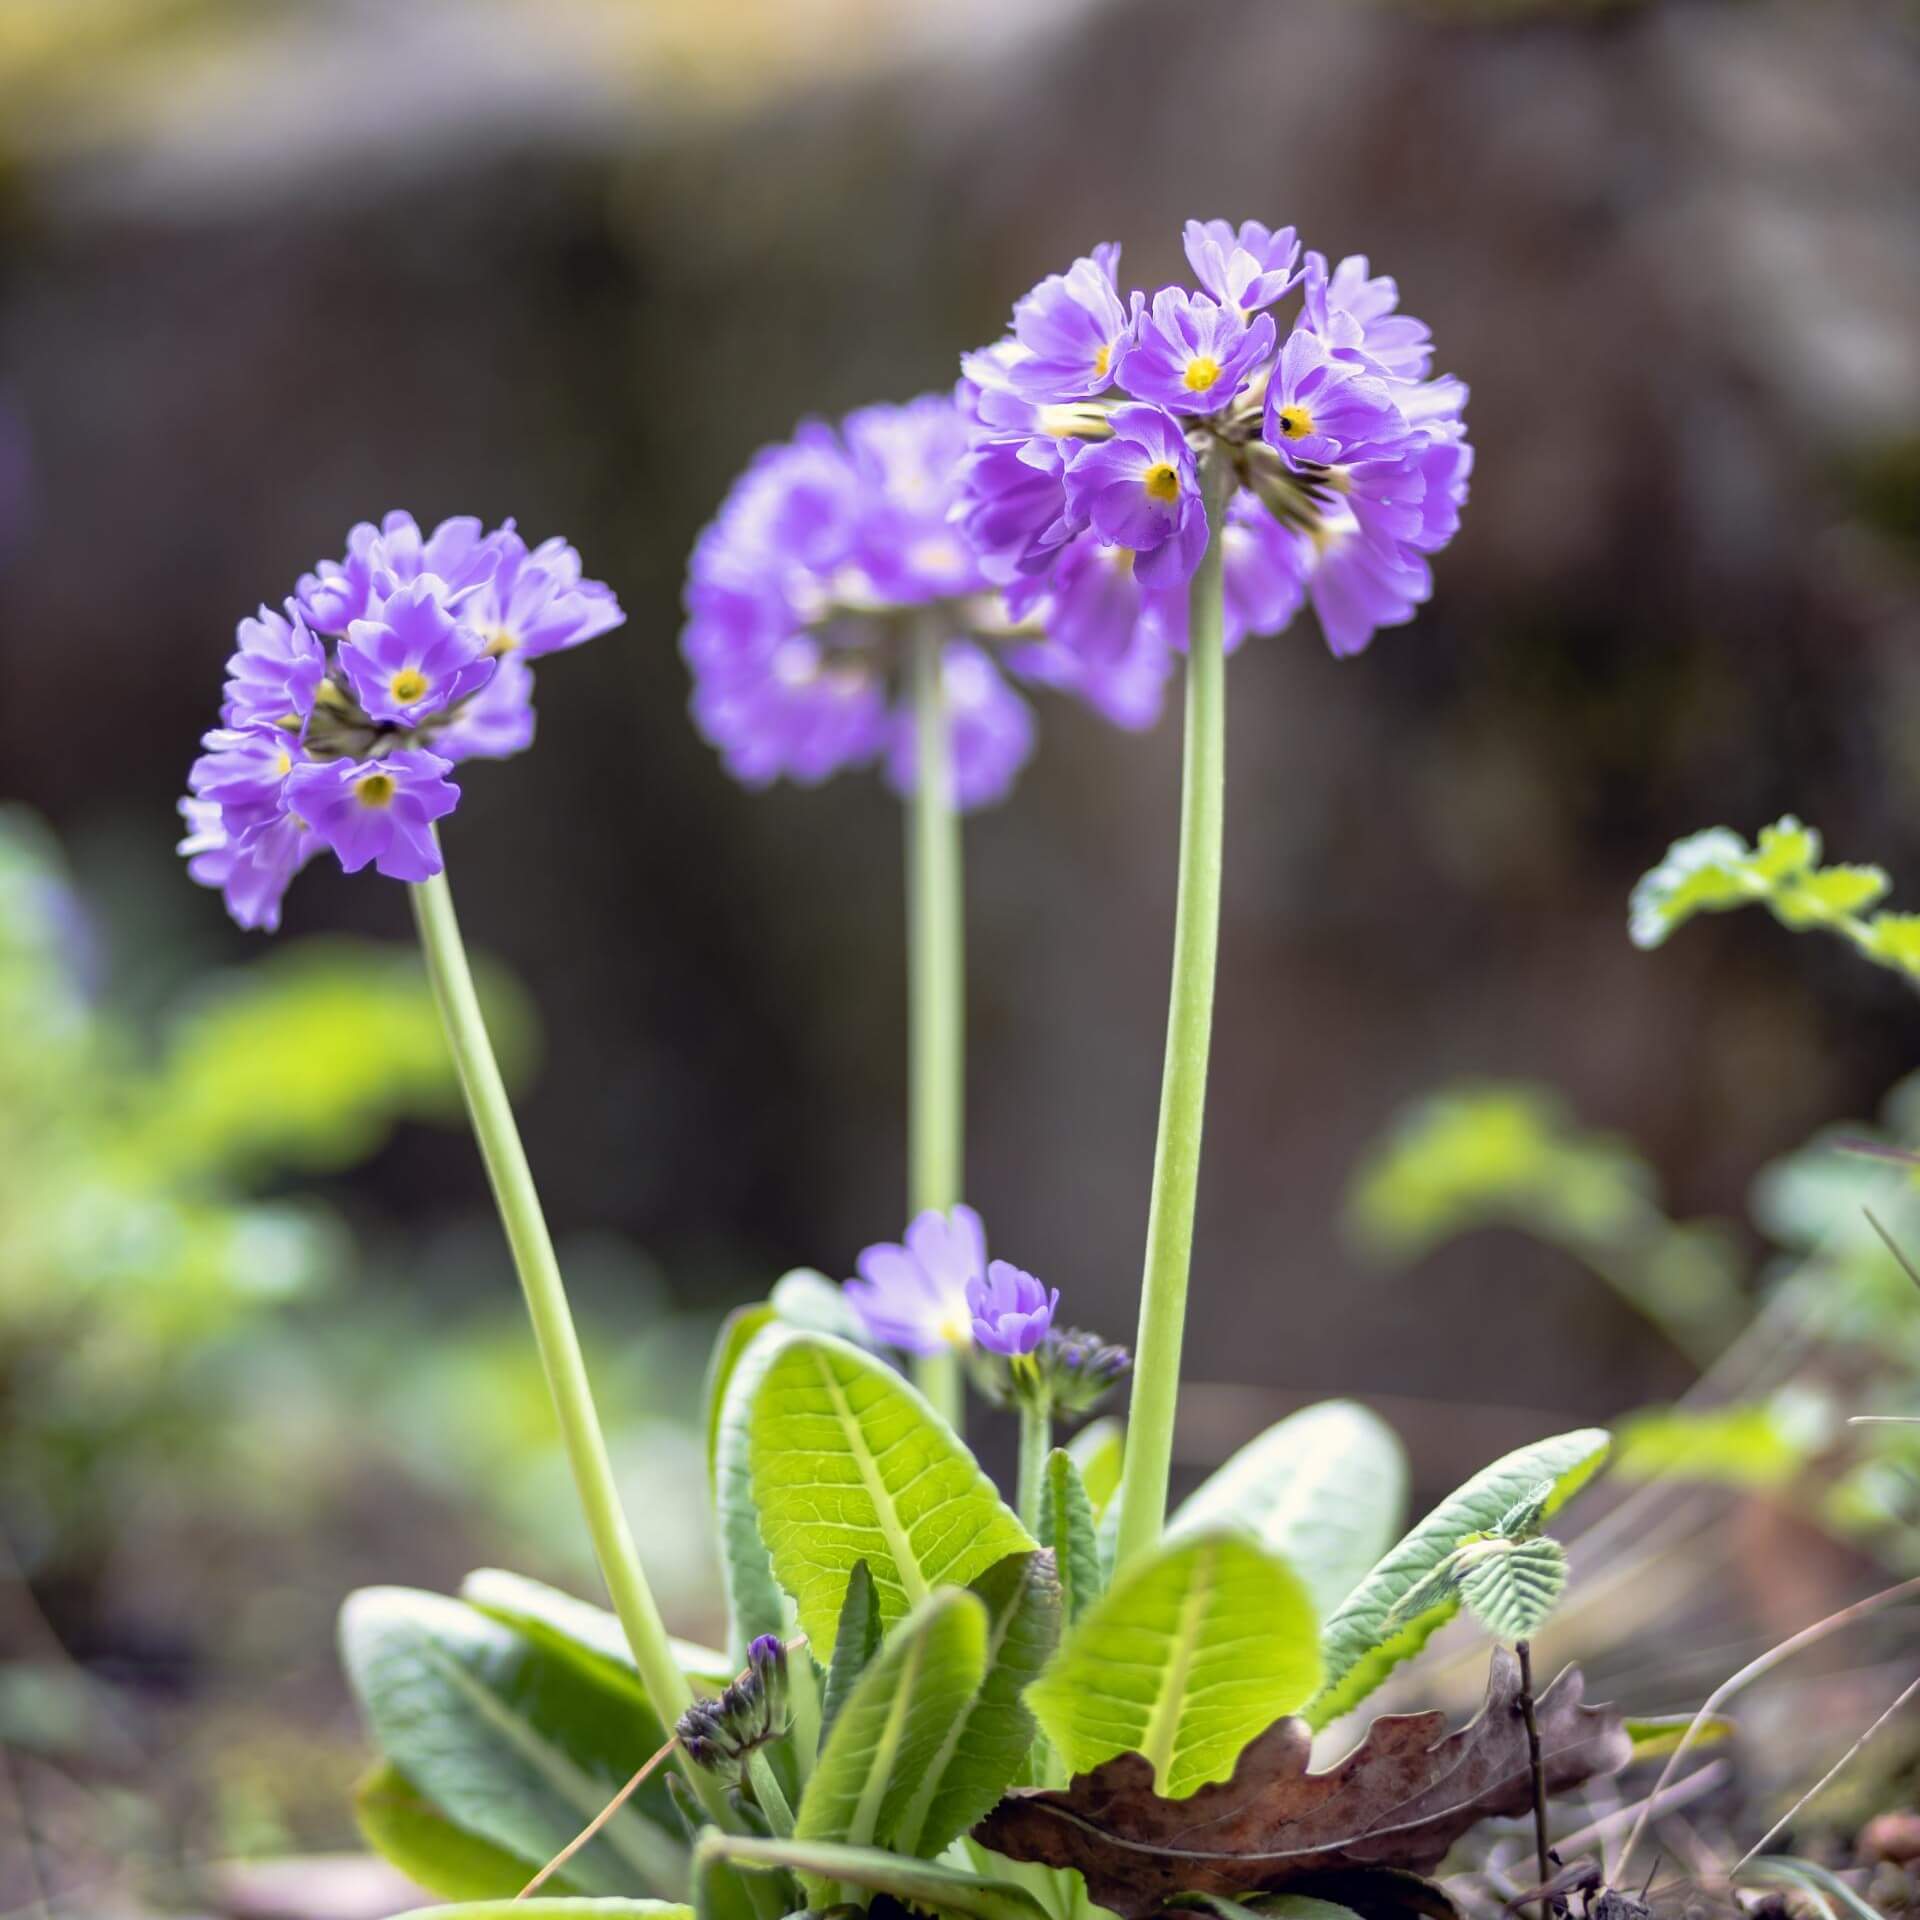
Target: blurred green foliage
(134, 1240)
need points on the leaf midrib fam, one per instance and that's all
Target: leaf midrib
(873, 1790)
(1163, 1723)
(899, 1542)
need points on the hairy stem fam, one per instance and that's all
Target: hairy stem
(553, 1328)
(936, 986)
(1183, 1086)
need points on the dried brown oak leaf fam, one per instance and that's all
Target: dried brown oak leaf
(1401, 1798)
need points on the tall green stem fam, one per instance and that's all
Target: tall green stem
(553, 1328)
(1183, 1086)
(1036, 1442)
(936, 987)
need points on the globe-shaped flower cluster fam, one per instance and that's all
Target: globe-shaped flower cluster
(345, 713)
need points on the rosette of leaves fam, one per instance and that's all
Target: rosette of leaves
(947, 1665)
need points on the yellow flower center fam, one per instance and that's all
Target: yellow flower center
(284, 765)
(375, 790)
(956, 1329)
(407, 686)
(500, 641)
(1102, 360)
(1161, 483)
(1295, 422)
(1201, 373)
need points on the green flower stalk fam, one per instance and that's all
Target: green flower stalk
(554, 1332)
(1183, 1086)
(936, 989)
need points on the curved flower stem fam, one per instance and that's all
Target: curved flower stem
(936, 985)
(553, 1328)
(1183, 1085)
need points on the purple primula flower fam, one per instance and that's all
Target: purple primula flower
(416, 658)
(1070, 329)
(915, 1296)
(1245, 269)
(1140, 489)
(1329, 426)
(377, 811)
(347, 745)
(1190, 354)
(1011, 1310)
(272, 678)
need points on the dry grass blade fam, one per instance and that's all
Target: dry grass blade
(598, 1821)
(1892, 1246)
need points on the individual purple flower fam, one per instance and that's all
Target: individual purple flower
(989, 729)
(1357, 587)
(914, 1296)
(378, 812)
(244, 773)
(1357, 312)
(416, 658)
(535, 602)
(1324, 409)
(493, 724)
(1189, 354)
(252, 871)
(1140, 489)
(1069, 330)
(1011, 1310)
(1245, 268)
(379, 559)
(275, 672)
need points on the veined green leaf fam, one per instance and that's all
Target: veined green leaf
(985, 1748)
(563, 1909)
(1325, 1489)
(1189, 1655)
(849, 1463)
(896, 1721)
(1099, 1451)
(1362, 1646)
(755, 1604)
(554, 1618)
(735, 1336)
(930, 1885)
(514, 1741)
(855, 1642)
(1511, 1586)
(1066, 1531)
(403, 1826)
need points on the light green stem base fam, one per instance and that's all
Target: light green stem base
(936, 988)
(1036, 1442)
(553, 1328)
(1183, 1086)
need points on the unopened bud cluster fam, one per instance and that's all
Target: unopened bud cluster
(720, 1733)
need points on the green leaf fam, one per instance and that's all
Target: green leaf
(1834, 893)
(543, 1909)
(986, 1747)
(1511, 1586)
(755, 1604)
(736, 1334)
(928, 1885)
(1099, 1451)
(849, 1463)
(1194, 1650)
(813, 1303)
(558, 1620)
(1749, 1446)
(1066, 1531)
(1894, 940)
(403, 1826)
(517, 1743)
(1325, 1489)
(1360, 1644)
(856, 1640)
(1706, 872)
(896, 1721)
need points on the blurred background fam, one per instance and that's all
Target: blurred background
(271, 266)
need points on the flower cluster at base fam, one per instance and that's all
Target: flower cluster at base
(719, 1734)
(804, 595)
(938, 1292)
(344, 715)
(1091, 421)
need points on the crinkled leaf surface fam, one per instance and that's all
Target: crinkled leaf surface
(1361, 1644)
(1325, 1489)
(1188, 1656)
(1514, 1585)
(1399, 1799)
(403, 1826)
(1067, 1532)
(849, 1463)
(514, 1741)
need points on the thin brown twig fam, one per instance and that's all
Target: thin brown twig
(1826, 1779)
(1752, 1671)
(1892, 1246)
(1524, 1650)
(598, 1821)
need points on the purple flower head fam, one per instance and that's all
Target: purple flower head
(272, 678)
(915, 1296)
(1244, 269)
(378, 812)
(1011, 1310)
(1140, 489)
(1328, 425)
(1069, 330)
(379, 559)
(244, 773)
(252, 871)
(416, 658)
(1190, 354)
(536, 602)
